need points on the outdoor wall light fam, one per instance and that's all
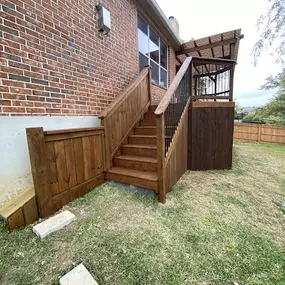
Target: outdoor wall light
(104, 19)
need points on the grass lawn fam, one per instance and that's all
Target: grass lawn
(217, 227)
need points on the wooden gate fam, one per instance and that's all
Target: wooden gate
(65, 164)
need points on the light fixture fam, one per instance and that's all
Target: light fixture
(104, 19)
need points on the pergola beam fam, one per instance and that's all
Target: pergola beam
(208, 46)
(212, 50)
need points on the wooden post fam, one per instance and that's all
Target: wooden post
(161, 158)
(106, 144)
(36, 143)
(191, 80)
(232, 71)
(259, 133)
(149, 85)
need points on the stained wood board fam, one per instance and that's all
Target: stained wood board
(18, 202)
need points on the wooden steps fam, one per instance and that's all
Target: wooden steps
(143, 179)
(142, 139)
(22, 210)
(137, 163)
(140, 150)
(146, 130)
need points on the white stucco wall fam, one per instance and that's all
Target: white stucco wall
(15, 170)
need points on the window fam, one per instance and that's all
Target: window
(153, 52)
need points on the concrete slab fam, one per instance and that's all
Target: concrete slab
(78, 275)
(53, 224)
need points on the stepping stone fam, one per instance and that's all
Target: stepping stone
(78, 275)
(53, 224)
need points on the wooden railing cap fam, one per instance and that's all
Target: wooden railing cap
(172, 88)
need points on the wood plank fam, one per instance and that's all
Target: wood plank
(79, 130)
(16, 220)
(80, 189)
(70, 163)
(79, 160)
(205, 97)
(61, 165)
(30, 211)
(52, 168)
(86, 158)
(96, 152)
(18, 202)
(205, 104)
(67, 136)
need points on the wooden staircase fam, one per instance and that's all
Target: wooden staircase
(136, 161)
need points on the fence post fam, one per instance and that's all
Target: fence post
(259, 133)
(36, 144)
(161, 158)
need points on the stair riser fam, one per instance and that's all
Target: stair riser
(149, 116)
(149, 132)
(132, 180)
(148, 122)
(137, 165)
(152, 108)
(140, 152)
(145, 141)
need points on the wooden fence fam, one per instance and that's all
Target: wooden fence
(259, 133)
(65, 164)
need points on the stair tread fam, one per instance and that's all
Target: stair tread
(137, 158)
(144, 136)
(145, 146)
(146, 127)
(148, 175)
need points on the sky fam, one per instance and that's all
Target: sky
(198, 19)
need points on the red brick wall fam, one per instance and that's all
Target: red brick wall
(55, 62)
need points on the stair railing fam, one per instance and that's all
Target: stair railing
(125, 112)
(172, 128)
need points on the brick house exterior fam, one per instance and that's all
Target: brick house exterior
(54, 61)
(58, 71)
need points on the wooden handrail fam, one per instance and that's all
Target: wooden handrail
(172, 88)
(117, 102)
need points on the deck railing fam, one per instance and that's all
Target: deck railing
(171, 122)
(213, 79)
(198, 79)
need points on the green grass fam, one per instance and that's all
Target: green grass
(268, 147)
(217, 227)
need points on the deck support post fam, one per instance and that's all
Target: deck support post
(161, 158)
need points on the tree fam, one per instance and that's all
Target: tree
(274, 111)
(272, 31)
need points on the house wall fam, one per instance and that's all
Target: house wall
(58, 71)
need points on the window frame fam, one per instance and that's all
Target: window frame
(149, 59)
